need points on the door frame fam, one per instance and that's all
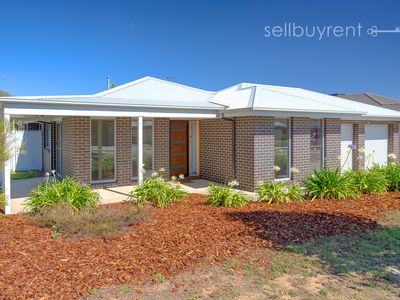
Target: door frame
(190, 142)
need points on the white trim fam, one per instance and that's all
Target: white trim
(140, 148)
(115, 152)
(6, 184)
(48, 111)
(152, 139)
(289, 150)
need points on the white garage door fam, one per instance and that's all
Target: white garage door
(345, 153)
(376, 144)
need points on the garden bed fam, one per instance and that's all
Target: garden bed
(176, 238)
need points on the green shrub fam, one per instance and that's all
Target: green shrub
(372, 181)
(157, 191)
(225, 195)
(393, 175)
(96, 222)
(330, 184)
(66, 191)
(2, 201)
(278, 192)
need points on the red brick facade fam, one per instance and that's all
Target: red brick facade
(332, 143)
(216, 150)
(124, 151)
(254, 150)
(161, 145)
(300, 134)
(76, 148)
(242, 148)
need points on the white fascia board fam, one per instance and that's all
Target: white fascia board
(372, 118)
(60, 110)
(66, 102)
(276, 113)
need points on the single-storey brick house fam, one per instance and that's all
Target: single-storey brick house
(241, 132)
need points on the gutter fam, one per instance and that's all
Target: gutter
(61, 102)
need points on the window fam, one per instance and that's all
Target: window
(147, 147)
(316, 154)
(47, 136)
(281, 148)
(103, 149)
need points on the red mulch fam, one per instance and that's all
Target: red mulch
(181, 236)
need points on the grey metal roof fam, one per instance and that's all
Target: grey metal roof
(368, 98)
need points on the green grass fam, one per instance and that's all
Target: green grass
(25, 175)
(287, 263)
(371, 254)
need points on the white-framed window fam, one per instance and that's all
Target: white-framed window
(102, 149)
(316, 144)
(148, 147)
(282, 148)
(47, 136)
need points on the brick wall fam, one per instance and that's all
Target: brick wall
(76, 148)
(254, 150)
(216, 150)
(162, 145)
(264, 140)
(124, 151)
(332, 143)
(394, 139)
(300, 135)
(359, 141)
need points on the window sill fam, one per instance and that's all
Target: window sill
(282, 179)
(103, 181)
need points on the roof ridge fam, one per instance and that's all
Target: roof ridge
(308, 99)
(372, 98)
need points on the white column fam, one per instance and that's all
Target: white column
(6, 184)
(140, 148)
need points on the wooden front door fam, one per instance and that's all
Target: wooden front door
(179, 147)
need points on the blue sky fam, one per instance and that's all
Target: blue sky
(69, 47)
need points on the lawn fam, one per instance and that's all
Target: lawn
(188, 250)
(25, 175)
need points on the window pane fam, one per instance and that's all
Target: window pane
(281, 133)
(282, 161)
(282, 147)
(316, 135)
(147, 147)
(316, 158)
(134, 148)
(103, 150)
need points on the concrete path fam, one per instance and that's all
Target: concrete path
(20, 190)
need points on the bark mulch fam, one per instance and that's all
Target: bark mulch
(176, 238)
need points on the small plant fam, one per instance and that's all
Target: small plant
(54, 233)
(125, 288)
(2, 201)
(372, 181)
(158, 191)
(159, 277)
(225, 195)
(330, 184)
(66, 191)
(278, 192)
(98, 222)
(393, 176)
(323, 292)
